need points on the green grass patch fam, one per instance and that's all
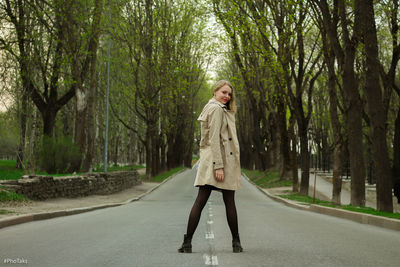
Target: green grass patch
(58, 174)
(2, 212)
(162, 176)
(304, 199)
(194, 160)
(372, 211)
(6, 195)
(367, 210)
(113, 168)
(266, 179)
(8, 171)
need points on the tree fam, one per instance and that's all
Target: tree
(166, 54)
(82, 38)
(345, 52)
(375, 104)
(334, 107)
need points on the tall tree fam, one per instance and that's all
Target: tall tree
(334, 107)
(345, 46)
(40, 59)
(82, 38)
(300, 66)
(376, 107)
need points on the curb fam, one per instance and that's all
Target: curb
(363, 218)
(10, 221)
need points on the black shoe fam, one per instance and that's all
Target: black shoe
(236, 245)
(186, 245)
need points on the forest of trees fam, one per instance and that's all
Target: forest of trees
(315, 78)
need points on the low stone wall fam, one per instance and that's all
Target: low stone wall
(39, 187)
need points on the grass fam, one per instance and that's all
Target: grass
(367, 210)
(6, 195)
(5, 212)
(162, 176)
(113, 168)
(372, 211)
(194, 160)
(266, 179)
(8, 171)
(304, 199)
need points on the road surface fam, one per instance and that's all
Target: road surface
(148, 233)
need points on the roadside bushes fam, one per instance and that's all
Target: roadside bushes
(59, 155)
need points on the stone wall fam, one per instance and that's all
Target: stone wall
(39, 187)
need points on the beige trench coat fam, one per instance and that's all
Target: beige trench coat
(219, 147)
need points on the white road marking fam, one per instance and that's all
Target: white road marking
(210, 258)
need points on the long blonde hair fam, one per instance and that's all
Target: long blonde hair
(231, 103)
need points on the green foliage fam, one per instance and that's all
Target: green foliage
(58, 155)
(266, 179)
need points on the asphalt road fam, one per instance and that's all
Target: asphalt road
(148, 233)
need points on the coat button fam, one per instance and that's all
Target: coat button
(213, 162)
(230, 139)
(231, 153)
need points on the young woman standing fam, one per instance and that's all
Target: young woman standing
(219, 167)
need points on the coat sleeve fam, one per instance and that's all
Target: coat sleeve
(215, 123)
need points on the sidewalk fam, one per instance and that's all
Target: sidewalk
(324, 192)
(21, 212)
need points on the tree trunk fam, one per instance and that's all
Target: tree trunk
(80, 122)
(396, 158)
(92, 58)
(337, 175)
(149, 153)
(354, 129)
(336, 126)
(90, 127)
(353, 106)
(116, 149)
(49, 120)
(22, 136)
(305, 160)
(376, 108)
(284, 153)
(34, 139)
(396, 148)
(293, 154)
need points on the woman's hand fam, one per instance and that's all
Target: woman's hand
(219, 175)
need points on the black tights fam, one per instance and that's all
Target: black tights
(201, 200)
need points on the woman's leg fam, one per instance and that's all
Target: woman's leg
(195, 213)
(231, 216)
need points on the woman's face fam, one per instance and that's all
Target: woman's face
(224, 94)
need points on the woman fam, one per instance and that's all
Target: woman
(219, 166)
